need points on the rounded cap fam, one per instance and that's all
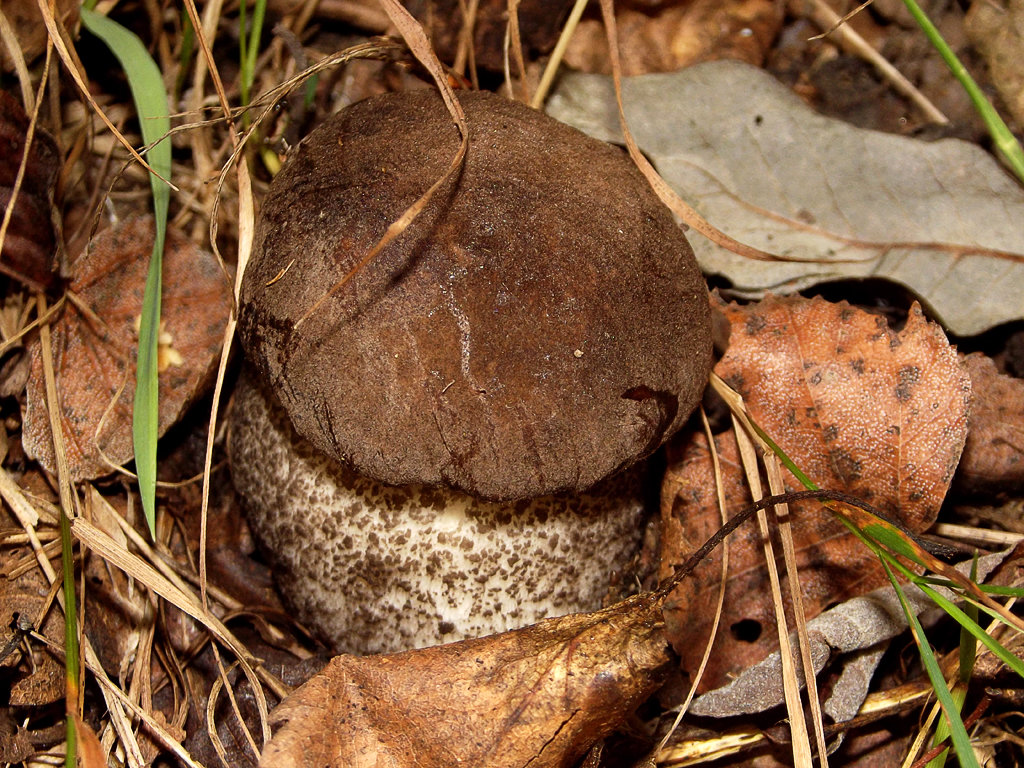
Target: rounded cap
(541, 325)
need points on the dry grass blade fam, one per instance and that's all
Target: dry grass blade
(514, 41)
(837, 25)
(720, 492)
(782, 520)
(551, 69)
(790, 684)
(146, 574)
(10, 40)
(28, 517)
(700, 751)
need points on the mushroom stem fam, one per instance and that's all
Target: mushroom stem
(378, 568)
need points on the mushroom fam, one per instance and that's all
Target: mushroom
(442, 447)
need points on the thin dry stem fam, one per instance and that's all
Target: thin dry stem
(551, 68)
(722, 584)
(785, 529)
(665, 193)
(848, 38)
(790, 685)
(10, 40)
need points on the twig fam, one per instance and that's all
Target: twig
(836, 26)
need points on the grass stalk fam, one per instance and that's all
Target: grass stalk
(150, 99)
(1004, 140)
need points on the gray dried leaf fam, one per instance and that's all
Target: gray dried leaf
(940, 218)
(858, 627)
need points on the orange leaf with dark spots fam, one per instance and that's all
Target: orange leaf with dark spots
(860, 409)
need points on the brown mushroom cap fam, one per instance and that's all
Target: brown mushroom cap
(541, 325)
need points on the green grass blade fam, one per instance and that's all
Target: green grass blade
(70, 635)
(150, 98)
(188, 46)
(968, 648)
(1002, 136)
(961, 741)
(248, 50)
(994, 589)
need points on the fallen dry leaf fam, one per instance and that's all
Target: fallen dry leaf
(993, 460)
(36, 681)
(860, 409)
(941, 218)
(94, 348)
(677, 35)
(15, 744)
(29, 31)
(29, 244)
(997, 31)
(538, 696)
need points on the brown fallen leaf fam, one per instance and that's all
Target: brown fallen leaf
(94, 344)
(15, 744)
(860, 409)
(29, 245)
(993, 460)
(538, 696)
(29, 30)
(90, 752)
(38, 680)
(677, 35)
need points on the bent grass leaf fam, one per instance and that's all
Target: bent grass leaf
(150, 98)
(972, 627)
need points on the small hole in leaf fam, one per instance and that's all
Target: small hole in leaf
(746, 630)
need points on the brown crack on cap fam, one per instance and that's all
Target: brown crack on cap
(541, 325)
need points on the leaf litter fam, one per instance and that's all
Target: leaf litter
(95, 339)
(617, 713)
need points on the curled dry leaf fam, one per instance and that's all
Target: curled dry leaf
(95, 340)
(993, 460)
(860, 409)
(29, 244)
(538, 696)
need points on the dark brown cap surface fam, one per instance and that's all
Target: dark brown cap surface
(541, 325)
